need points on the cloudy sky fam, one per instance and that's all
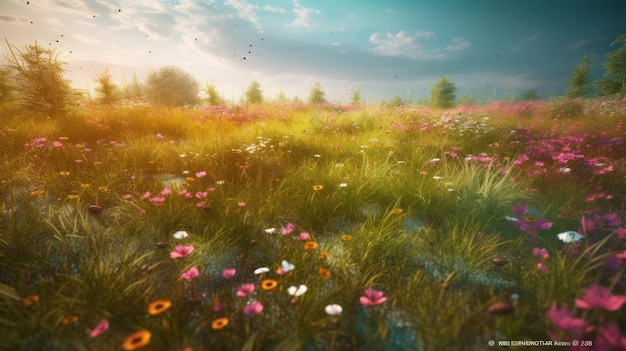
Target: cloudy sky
(384, 48)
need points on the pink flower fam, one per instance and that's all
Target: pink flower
(562, 319)
(542, 267)
(201, 194)
(610, 337)
(190, 274)
(182, 192)
(287, 229)
(241, 204)
(200, 174)
(245, 290)
(541, 253)
(229, 273)
(181, 251)
(159, 136)
(158, 200)
(201, 204)
(57, 144)
(372, 297)
(127, 196)
(166, 191)
(303, 236)
(253, 308)
(145, 195)
(218, 306)
(100, 328)
(600, 297)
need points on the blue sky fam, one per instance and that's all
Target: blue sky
(384, 48)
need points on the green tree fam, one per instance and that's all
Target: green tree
(442, 93)
(171, 86)
(531, 94)
(39, 79)
(254, 95)
(213, 96)
(132, 91)
(316, 94)
(614, 77)
(580, 81)
(356, 96)
(107, 91)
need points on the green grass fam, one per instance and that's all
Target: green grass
(408, 201)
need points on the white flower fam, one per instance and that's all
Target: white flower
(220, 182)
(182, 155)
(181, 234)
(333, 310)
(343, 185)
(569, 236)
(185, 172)
(435, 160)
(511, 219)
(261, 270)
(297, 291)
(270, 230)
(436, 177)
(317, 155)
(286, 266)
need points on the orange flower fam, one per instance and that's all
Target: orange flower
(159, 306)
(69, 320)
(346, 237)
(36, 193)
(318, 187)
(137, 340)
(397, 210)
(530, 219)
(72, 197)
(64, 173)
(323, 272)
(324, 255)
(310, 245)
(269, 284)
(30, 299)
(219, 323)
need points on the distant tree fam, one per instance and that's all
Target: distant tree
(580, 81)
(171, 86)
(442, 93)
(39, 79)
(531, 94)
(467, 100)
(356, 96)
(254, 95)
(134, 90)
(281, 98)
(107, 91)
(7, 85)
(316, 94)
(614, 77)
(213, 96)
(396, 101)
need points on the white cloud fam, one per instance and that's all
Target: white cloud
(524, 42)
(304, 15)
(458, 44)
(401, 43)
(86, 39)
(248, 11)
(54, 21)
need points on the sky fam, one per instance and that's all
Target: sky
(383, 48)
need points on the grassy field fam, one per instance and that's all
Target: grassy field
(294, 227)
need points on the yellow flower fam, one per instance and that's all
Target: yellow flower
(310, 245)
(72, 197)
(397, 211)
(324, 255)
(137, 340)
(219, 323)
(63, 138)
(103, 189)
(64, 173)
(269, 284)
(318, 187)
(85, 185)
(346, 237)
(69, 320)
(30, 299)
(159, 306)
(36, 193)
(323, 272)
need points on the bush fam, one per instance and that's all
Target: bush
(171, 86)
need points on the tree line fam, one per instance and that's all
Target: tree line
(33, 78)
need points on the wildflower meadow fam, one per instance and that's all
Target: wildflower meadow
(315, 227)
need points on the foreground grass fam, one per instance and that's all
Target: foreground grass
(408, 201)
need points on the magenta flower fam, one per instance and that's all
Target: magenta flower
(600, 297)
(253, 308)
(520, 210)
(245, 290)
(201, 194)
(100, 328)
(219, 306)
(159, 136)
(303, 236)
(57, 144)
(610, 337)
(166, 191)
(562, 319)
(541, 253)
(542, 267)
(287, 229)
(190, 274)
(127, 196)
(158, 200)
(372, 297)
(200, 174)
(229, 273)
(181, 251)
(145, 195)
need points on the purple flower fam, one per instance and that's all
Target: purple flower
(287, 229)
(253, 308)
(245, 290)
(372, 297)
(181, 251)
(520, 210)
(600, 297)
(609, 219)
